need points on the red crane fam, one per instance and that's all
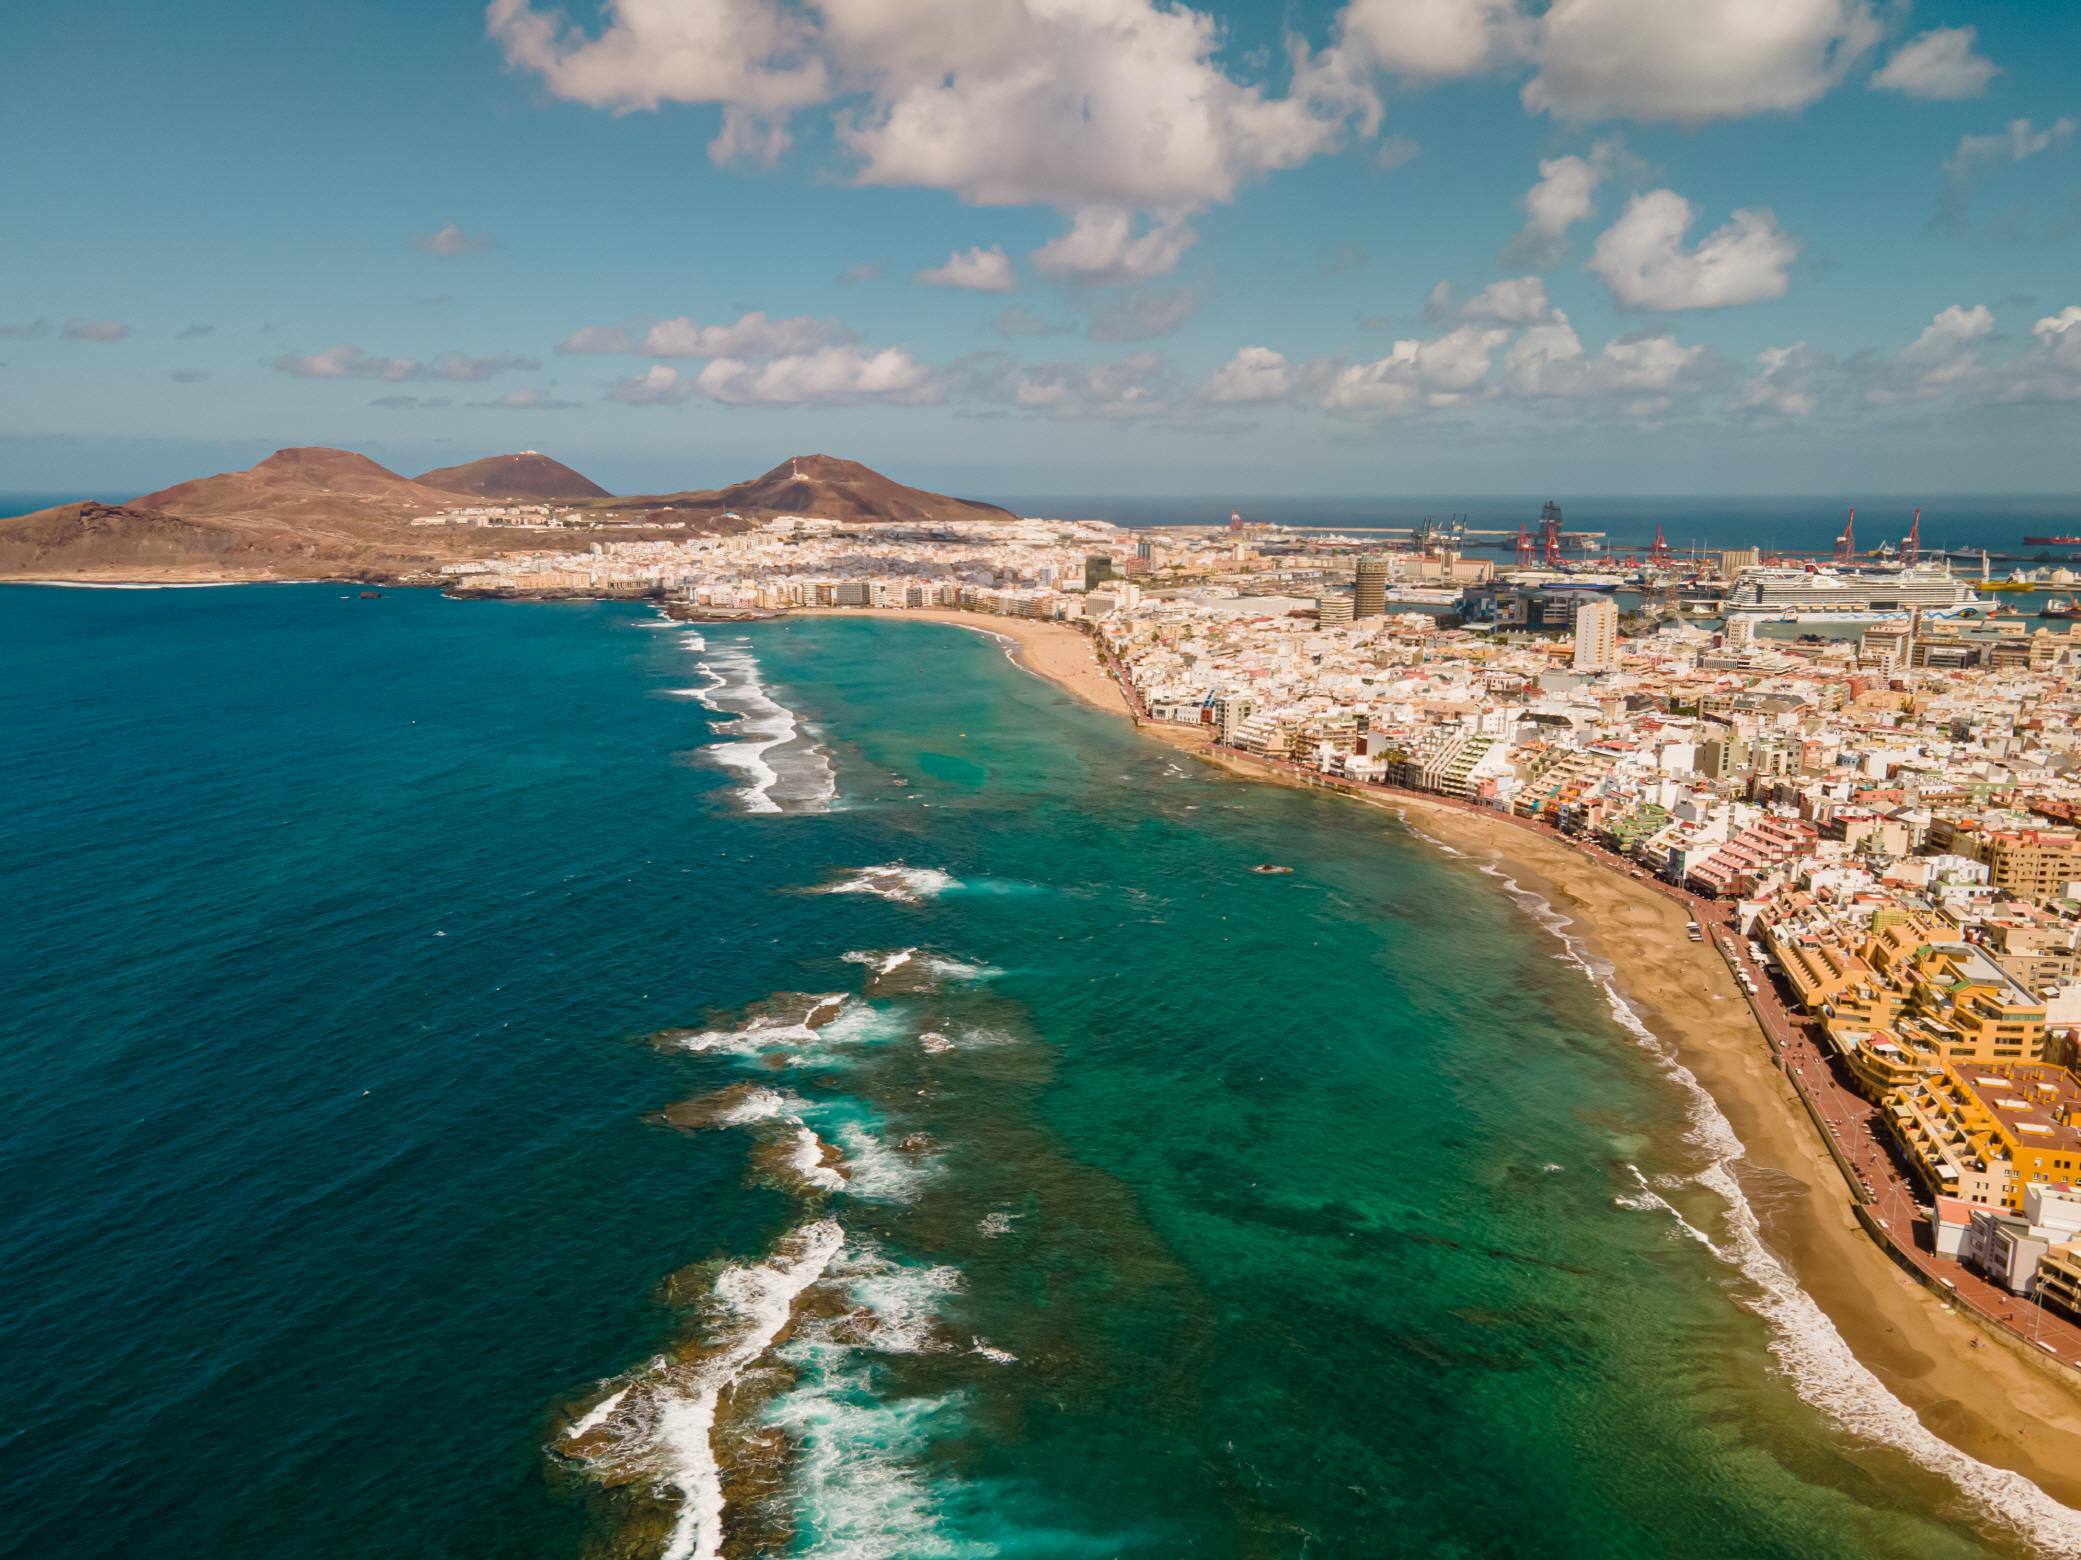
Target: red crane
(1524, 546)
(1911, 549)
(1550, 535)
(1846, 544)
(1658, 555)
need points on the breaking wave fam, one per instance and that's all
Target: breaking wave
(784, 768)
(897, 883)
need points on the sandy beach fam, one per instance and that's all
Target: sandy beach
(1976, 1389)
(1055, 651)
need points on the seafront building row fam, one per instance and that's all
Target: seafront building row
(1889, 815)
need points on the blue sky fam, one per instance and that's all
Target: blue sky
(1035, 246)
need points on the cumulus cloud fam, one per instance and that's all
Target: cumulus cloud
(1254, 374)
(353, 363)
(1103, 246)
(1783, 384)
(859, 273)
(1433, 39)
(1944, 357)
(1938, 65)
(1549, 360)
(526, 401)
(752, 336)
(1416, 374)
(1397, 151)
(1565, 195)
(1517, 302)
(1130, 389)
(658, 385)
(1696, 61)
(450, 241)
(750, 136)
(596, 338)
(1144, 315)
(1000, 102)
(2019, 141)
(1642, 257)
(2052, 369)
(831, 376)
(974, 270)
(95, 330)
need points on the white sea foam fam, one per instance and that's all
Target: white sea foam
(880, 1173)
(992, 1225)
(1821, 1366)
(896, 882)
(597, 1415)
(768, 1031)
(995, 1356)
(662, 1423)
(760, 1105)
(881, 963)
(806, 1158)
(785, 769)
(932, 1042)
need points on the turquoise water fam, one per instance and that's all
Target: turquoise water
(1168, 1209)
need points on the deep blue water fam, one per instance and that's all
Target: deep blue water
(355, 947)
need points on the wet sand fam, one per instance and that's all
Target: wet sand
(1055, 651)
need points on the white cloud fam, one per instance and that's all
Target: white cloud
(1548, 360)
(1693, 61)
(353, 363)
(748, 52)
(1939, 65)
(753, 336)
(1433, 39)
(829, 376)
(1642, 258)
(1001, 102)
(2052, 370)
(1132, 388)
(2019, 141)
(1395, 152)
(1102, 246)
(1253, 374)
(450, 241)
(658, 385)
(1416, 374)
(1144, 315)
(1783, 385)
(1565, 195)
(976, 270)
(1943, 358)
(1060, 102)
(1518, 302)
(95, 330)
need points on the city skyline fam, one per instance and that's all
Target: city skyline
(1093, 247)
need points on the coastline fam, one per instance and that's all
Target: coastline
(1053, 651)
(1977, 1390)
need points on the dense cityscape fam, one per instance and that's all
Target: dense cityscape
(1878, 823)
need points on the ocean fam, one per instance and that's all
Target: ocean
(503, 1079)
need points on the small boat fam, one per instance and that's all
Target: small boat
(1268, 867)
(2059, 607)
(371, 595)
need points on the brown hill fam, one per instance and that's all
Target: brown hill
(526, 475)
(125, 541)
(309, 484)
(827, 488)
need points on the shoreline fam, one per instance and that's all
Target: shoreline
(2012, 1411)
(1054, 652)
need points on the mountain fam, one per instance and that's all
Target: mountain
(528, 475)
(119, 540)
(828, 488)
(306, 485)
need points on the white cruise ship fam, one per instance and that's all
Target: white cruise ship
(1830, 591)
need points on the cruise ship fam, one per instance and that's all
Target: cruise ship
(1828, 592)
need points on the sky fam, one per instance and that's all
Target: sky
(1052, 246)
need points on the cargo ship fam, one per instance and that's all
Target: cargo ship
(2052, 541)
